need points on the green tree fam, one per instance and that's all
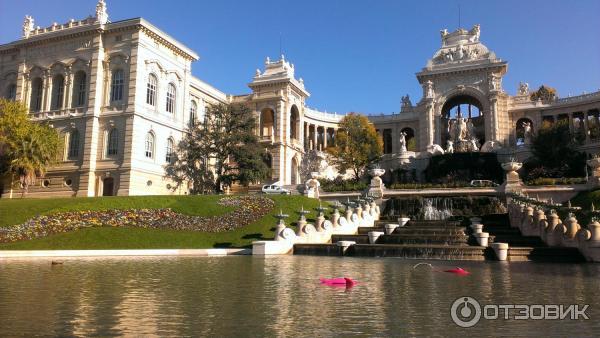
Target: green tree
(555, 153)
(219, 151)
(544, 93)
(27, 149)
(357, 145)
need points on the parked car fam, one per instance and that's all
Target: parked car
(483, 183)
(275, 189)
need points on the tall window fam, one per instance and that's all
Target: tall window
(169, 152)
(37, 88)
(74, 144)
(79, 89)
(112, 142)
(116, 88)
(151, 90)
(11, 92)
(193, 113)
(149, 145)
(171, 92)
(58, 92)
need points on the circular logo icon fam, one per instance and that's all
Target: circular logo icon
(465, 311)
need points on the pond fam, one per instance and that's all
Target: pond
(280, 296)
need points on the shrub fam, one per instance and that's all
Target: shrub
(557, 181)
(341, 184)
(454, 167)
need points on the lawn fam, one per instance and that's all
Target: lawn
(19, 210)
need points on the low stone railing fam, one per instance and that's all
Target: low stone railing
(362, 213)
(537, 218)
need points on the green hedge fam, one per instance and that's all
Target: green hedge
(457, 184)
(449, 168)
(339, 184)
(557, 181)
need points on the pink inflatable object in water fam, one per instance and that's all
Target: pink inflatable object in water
(458, 271)
(340, 281)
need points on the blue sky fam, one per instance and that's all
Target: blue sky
(355, 55)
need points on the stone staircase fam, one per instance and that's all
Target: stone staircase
(527, 248)
(418, 239)
(448, 240)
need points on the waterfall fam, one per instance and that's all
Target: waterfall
(435, 209)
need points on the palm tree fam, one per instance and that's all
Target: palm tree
(28, 148)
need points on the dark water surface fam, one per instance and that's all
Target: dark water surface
(281, 297)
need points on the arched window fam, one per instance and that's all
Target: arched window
(58, 92)
(73, 144)
(79, 89)
(169, 152)
(37, 88)
(294, 123)
(409, 138)
(267, 122)
(149, 145)
(11, 92)
(193, 113)
(112, 146)
(116, 87)
(151, 90)
(171, 92)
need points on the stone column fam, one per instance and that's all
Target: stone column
(22, 84)
(280, 121)
(46, 92)
(315, 137)
(325, 134)
(571, 126)
(586, 126)
(68, 94)
(493, 118)
(429, 122)
(98, 83)
(301, 129)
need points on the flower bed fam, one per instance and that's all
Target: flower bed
(248, 210)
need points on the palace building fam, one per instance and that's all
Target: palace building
(122, 94)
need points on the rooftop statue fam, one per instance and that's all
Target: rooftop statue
(101, 14)
(523, 89)
(27, 26)
(461, 45)
(406, 102)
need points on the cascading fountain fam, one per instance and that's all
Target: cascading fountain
(436, 209)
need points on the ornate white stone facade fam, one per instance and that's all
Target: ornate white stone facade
(122, 94)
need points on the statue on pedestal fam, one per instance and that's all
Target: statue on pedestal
(527, 133)
(428, 89)
(311, 187)
(449, 147)
(402, 142)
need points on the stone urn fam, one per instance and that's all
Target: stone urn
(512, 177)
(376, 187)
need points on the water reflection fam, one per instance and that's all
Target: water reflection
(278, 296)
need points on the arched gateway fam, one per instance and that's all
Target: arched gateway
(463, 102)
